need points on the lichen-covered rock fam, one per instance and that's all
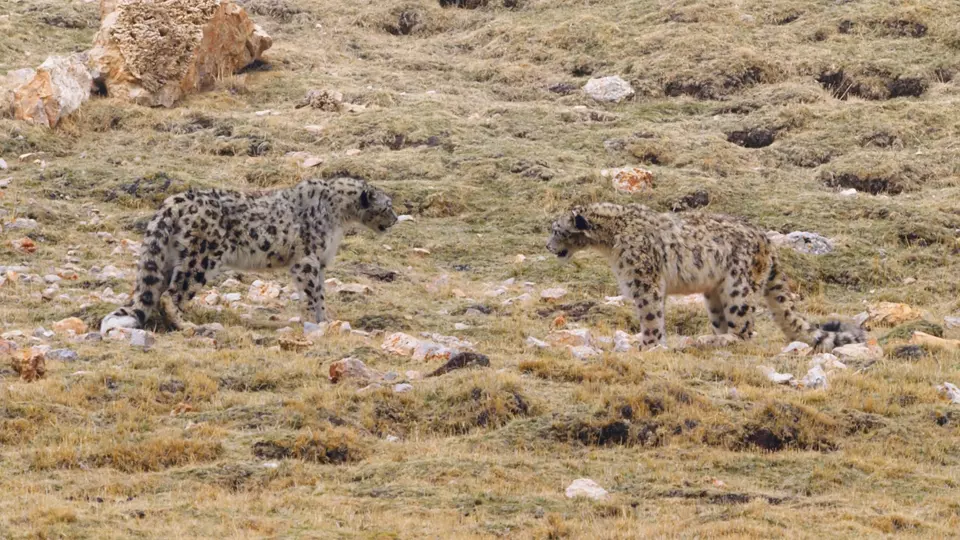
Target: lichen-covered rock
(8, 84)
(153, 52)
(58, 88)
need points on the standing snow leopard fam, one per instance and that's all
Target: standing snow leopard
(725, 258)
(196, 234)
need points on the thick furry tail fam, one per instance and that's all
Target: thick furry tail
(152, 276)
(826, 336)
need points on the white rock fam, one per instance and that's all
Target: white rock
(797, 348)
(142, 338)
(804, 242)
(23, 224)
(233, 297)
(815, 379)
(553, 294)
(622, 341)
(62, 355)
(522, 299)
(3, 165)
(112, 272)
(271, 465)
(951, 392)
(773, 376)
(858, 351)
(43, 333)
(608, 89)
(952, 322)
(402, 388)
(60, 86)
(261, 292)
(534, 342)
(461, 326)
(579, 337)
(354, 288)
(585, 487)
(405, 217)
(583, 352)
(848, 193)
(400, 344)
(827, 361)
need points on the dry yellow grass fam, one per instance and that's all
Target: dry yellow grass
(461, 126)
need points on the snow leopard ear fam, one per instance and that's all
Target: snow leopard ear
(364, 200)
(580, 222)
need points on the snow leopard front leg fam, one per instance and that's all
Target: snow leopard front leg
(309, 270)
(309, 273)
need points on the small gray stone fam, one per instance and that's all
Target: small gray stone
(93, 337)
(390, 376)
(62, 355)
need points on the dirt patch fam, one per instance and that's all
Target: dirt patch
(651, 152)
(331, 446)
(460, 361)
(381, 322)
(870, 182)
(782, 426)
(871, 85)
(714, 87)
(279, 10)
(150, 190)
(375, 272)
(717, 497)
(691, 201)
(753, 138)
(881, 139)
(563, 88)
(406, 23)
(572, 312)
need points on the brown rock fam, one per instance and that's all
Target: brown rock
(30, 364)
(352, 368)
(24, 245)
(892, 314)
(73, 324)
(60, 86)
(153, 52)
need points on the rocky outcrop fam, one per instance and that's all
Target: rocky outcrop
(153, 52)
(57, 89)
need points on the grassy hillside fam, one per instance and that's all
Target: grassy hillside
(474, 120)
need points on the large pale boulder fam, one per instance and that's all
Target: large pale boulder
(153, 52)
(57, 89)
(9, 83)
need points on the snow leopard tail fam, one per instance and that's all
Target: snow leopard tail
(825, 336)
(153, 276)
